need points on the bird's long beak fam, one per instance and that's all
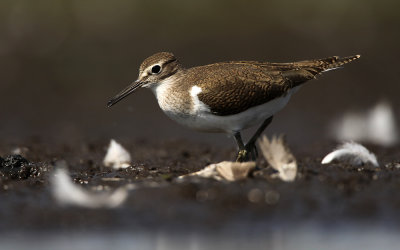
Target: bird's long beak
(124, 93)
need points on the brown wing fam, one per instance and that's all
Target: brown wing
(238, 92)
(237, 86)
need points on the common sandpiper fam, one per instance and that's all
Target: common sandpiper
(226, 97)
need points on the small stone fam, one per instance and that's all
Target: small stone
(17, 167)
(20, 151)
(14, 161)
(202, 195)
(117, 156)
(255, 195)
(272, 197)
(278, 155)
(234, 171)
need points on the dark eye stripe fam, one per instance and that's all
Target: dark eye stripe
(170, 61)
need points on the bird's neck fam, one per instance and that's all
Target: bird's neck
(172, 95)
(163, 88)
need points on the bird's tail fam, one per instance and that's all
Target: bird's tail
(309, 69)
(334, 62)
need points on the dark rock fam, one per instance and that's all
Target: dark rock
(17, 167)
(14, 161)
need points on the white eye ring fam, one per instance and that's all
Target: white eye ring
(155, 69)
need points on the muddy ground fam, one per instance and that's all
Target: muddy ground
(325, 194)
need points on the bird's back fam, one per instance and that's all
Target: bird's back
(231, 87)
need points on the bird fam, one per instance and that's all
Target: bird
(226, 97)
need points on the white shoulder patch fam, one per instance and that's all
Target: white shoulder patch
(195, 91)
(197, 104)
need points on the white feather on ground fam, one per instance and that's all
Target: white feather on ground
(117, 156)
(279, 157)
(352, 153)
(225, 171)
(376, 126)
(65, 192)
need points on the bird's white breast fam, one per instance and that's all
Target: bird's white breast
(163, 94)
(207, 121)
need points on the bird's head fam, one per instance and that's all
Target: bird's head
(153, 71)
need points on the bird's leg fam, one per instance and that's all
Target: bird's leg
(251, 144)
(250, 148)
(243, 153)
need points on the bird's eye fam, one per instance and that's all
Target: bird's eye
(156, 69)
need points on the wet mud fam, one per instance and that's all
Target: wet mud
(326, 194)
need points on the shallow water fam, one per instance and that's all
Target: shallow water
(296, 237)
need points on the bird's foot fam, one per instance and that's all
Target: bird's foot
(242, 156)
(250, 153)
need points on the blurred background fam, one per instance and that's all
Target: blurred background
(62, 60)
